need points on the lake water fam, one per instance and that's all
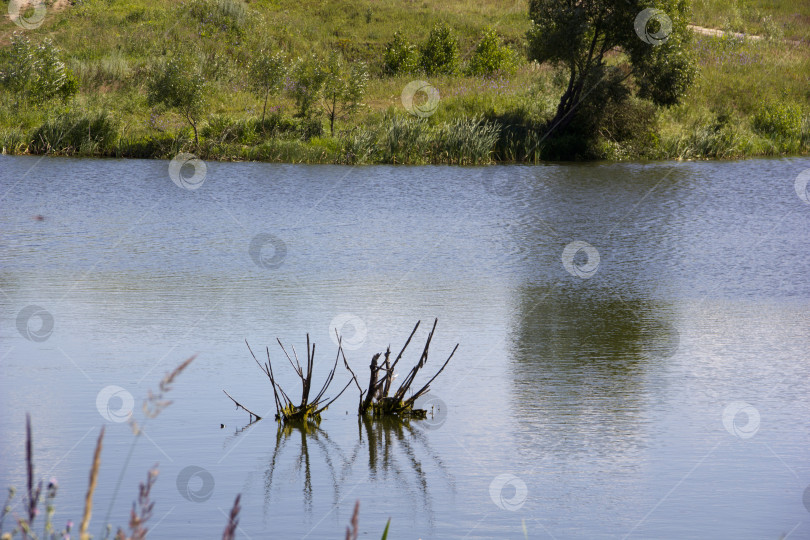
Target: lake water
(633, 358)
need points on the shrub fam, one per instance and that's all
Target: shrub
(491, 56)
(439, 54)
(178, 84)
(779, 120)
(305, 83)
(267, 72)
(400, 56)
(71, 133)
(35, 72)
(343, 89)
(224, 129)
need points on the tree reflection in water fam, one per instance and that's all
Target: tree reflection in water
(396, 452)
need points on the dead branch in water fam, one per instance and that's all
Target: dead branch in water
(309, 408)
(376, 401)
(240, 406)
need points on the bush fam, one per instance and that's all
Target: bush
(224, 129)
(178, 84)
(491, 56)
(439, 54)
(35, 72)
(400, 56)
(71, 133)
(305, 83)
(778, 120)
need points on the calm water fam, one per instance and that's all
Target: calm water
(662, 395)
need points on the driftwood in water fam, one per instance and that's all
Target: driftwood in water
(309, 408)
(375, 400)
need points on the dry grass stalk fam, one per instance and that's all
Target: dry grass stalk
(233, 520)
(91, 488)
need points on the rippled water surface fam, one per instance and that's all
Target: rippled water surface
(652, 384)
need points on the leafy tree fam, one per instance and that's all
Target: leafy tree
(578, 36)
(35, 71)
(400, 56)
(439, 54)
(491, 55)
(343, 89)
(307, 78)
(267, 74)
(178, 84)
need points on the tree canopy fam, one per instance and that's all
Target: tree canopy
(610, 49)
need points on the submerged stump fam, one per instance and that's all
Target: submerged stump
(376, 402)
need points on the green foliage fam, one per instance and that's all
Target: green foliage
(219, 15)
(35, 71)
(491, 56)
(267, 72)
(778, 120)
(305, 83)
(404, 139)
(178, 84)
(467, 141)
(400, 56)
(578, 40)
(343, 88)
(439, 54)
(71, 133)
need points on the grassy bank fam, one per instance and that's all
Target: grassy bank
(751, 97)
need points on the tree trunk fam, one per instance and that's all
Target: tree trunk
(332, 116)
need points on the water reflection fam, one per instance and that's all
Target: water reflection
(584, 363)
(392, 453)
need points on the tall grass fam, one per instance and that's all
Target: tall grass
(75, 133)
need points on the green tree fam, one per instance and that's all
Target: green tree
(578, 37)
(267, 72)
(178, 84)
(400, 56)
(307, 78)
(491, 55)
(35, 71)
(343, 89)
(439, 54)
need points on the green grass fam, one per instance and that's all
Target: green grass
(737, 81)
(776, 18)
